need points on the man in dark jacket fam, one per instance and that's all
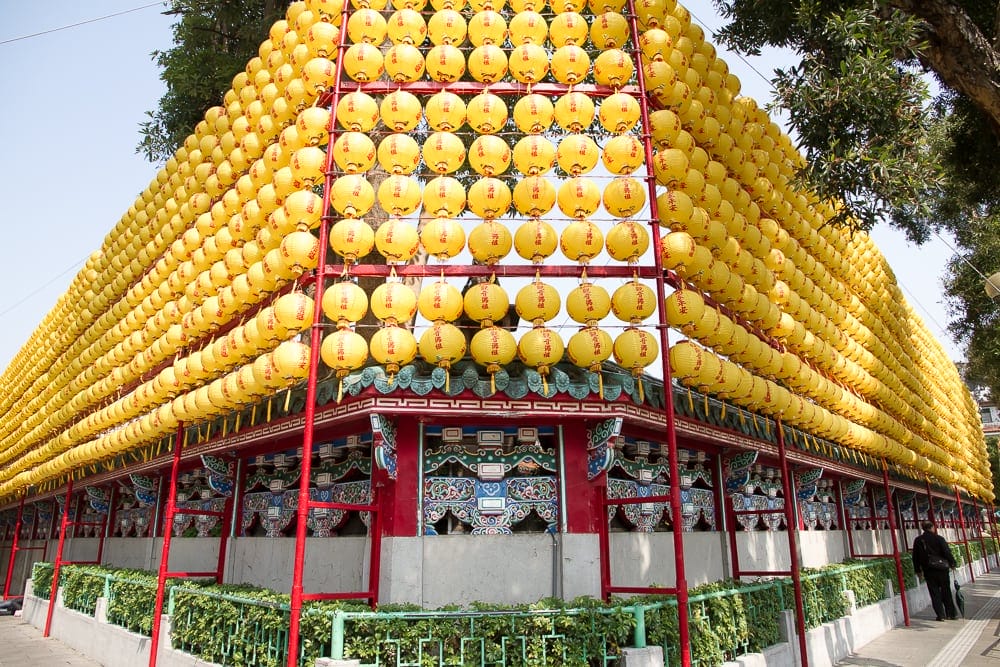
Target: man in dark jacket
(933, 559)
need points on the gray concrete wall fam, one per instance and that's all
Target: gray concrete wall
(331, 564)
(821, 547)
(647, 559)
(141, 553)
(460, 569)
(22, 564)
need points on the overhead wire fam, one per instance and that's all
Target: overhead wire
(78, 24)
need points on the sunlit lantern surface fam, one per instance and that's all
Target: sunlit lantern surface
(643, 214)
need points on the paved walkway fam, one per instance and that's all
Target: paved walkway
(22, 645)
(970, 642)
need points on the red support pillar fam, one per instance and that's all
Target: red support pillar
(13, 548)
(965, 535)
(168, 522)
(54, 589)
(581, 507)
(848, 521)
(978, 526)
(895, 544)
(793, 554)
(930, 502)
(227, 517)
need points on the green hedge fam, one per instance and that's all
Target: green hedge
(41, 579)
(245, 625)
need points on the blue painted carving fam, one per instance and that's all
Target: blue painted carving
(220, 474)
(257, 507)
(737, 470)
(490, 508)
(97, 499)
(145, 489)
(600, 453)
(384, 450)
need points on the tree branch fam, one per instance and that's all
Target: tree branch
(959, 52)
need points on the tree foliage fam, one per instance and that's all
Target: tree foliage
(880, 141)
(213, 40)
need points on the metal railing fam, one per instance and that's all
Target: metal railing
(729, 621)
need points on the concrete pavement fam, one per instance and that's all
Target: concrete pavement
(22, 645)
(970, 642)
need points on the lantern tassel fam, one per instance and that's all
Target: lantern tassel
(225, 423)
(722, 414)
(269, 408)
(288, 399)
(493, 383)
(545, 385)
(340, 390)
(236, 427)
(447, 381)
(600, 383)
(253, 415)
(690, 401)
(642, 393)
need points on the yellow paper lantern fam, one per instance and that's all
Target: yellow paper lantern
(399, 154)
(623, 154)
(570, 64)
(291, 360)
(633, 302)
(440, 301)
(397, 240)
(528, 63)
(489, 155)
(541, 348)
(354, 152)
(443, 237)
(534, 155)
(351, 239)
(577, 154)
(445, 111)
(486, 113)
(393, 302)
(344, 351)
(534, 113)
(486, 303)
(574, 111)
(624, 197)
(393, 347)
(627, 241)
(613, 67)
(535, 240)
(344, 302)
(364, 62)
(445, 63)
(400, 110)
(487, 63)
(493, 348)
(581, 241)
(588, 303)
(489, 198)
(534, 196)
(443, 152)
(444, 196)
(490, 241)
(357, 111)
(579, 197)
(537, 302)
(398, 194)
(442, 344)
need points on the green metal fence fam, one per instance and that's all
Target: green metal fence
(225, 625)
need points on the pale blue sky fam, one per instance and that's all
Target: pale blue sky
(74, 99)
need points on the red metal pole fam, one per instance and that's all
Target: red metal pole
(978, 527)
(965, 535)
(227, 512)
(895, 544)
(375, 561)
(680, 583)
(847, 519)
(168, 523)
(54, 589)
(930, 501)
(604, 542)
(789, 492)
(315, 340)
(993, 533)
(13, 548)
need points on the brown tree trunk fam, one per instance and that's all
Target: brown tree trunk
(965, 59)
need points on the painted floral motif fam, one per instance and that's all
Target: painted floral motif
(489, 508)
